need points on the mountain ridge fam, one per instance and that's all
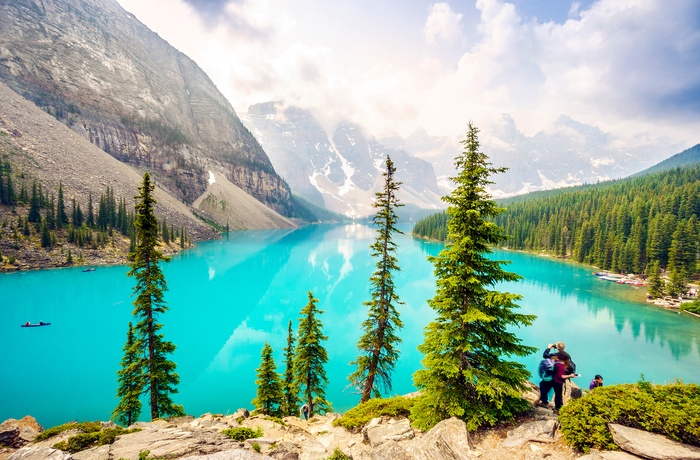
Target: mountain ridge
(341, 170)
(101, 72)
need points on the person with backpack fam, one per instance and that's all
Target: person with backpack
(554, 348)
(546, 371)
(560, 375)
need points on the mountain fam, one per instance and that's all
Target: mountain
(567, 153)
(688, 157)
(44, 150)
(102, 73)
(342, 171)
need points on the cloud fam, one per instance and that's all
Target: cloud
(442, 22)
(629, 67)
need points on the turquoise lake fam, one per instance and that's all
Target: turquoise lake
(228, 297)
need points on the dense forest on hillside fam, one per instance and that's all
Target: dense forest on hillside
(33, 216)
(622, 225)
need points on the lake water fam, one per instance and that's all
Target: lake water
(228, 297)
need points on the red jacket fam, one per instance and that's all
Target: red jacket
(559, 372)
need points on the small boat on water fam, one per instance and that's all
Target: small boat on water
(39, 324)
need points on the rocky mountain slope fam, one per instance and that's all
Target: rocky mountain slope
(342, 171)
(40, 148)
(101, 72)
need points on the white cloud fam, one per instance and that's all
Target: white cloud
(629, 67)
(442, 22)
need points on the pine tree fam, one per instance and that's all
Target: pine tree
(34, 214)
(45, 235)
(130, 381)
(159, 373)
(468, 373)
(291, 401)
(269, 395)
(378, 345)
(656, 284)
(61, 216)
(310, 357)
(90, 221)
(77, 215)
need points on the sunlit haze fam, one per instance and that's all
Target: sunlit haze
(629, 67)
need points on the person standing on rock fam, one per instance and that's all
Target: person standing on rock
(305, 411)
(561, 364)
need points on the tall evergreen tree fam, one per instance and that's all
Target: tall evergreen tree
(378, 345)
(90, 220)
(77, 214)
(309, 358)
(34, 205)
(269, 397)
(291, 401)
(656, 284)
(61, 216)
(160, 378)
(467, 348)
(130, 380)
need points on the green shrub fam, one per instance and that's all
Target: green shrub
(84, 427)
(672, 410)
(256, 447)
(339, 455)
(243, 433)
(55, 430)
(693, 307)
(358, 416)
(84, 441)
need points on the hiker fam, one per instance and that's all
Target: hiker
(553, 348)
(561, 364)
(305, 411)
(546, 371)
(596, 382)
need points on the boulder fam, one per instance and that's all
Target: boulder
(380, 430)
(40, 453)
(313, 450)
(170, 443)
(18, 433)
(285, 450)
(448, 440)
(390, 450)
(95, 453)
(231, 454)
(542, 430)
(651, 445)
(609, 455)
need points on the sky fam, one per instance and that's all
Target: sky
(629, 67)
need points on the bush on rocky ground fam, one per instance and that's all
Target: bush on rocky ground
(398, 406)
(672, 410)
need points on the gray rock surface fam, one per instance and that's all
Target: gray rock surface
(448, 440)
(231, 454)
(540, 430)
(40, 453)
(651, 445)
(390, 450)
(170, 443)
(609, 455)
(380, 430)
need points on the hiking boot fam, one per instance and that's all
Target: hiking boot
(542, 404)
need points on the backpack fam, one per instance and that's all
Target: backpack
(546, 369)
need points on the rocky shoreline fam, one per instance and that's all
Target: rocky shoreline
(533, 437)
